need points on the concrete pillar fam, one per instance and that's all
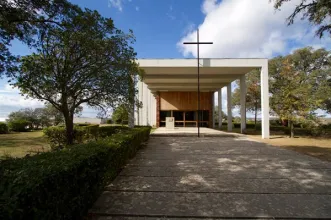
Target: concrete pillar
(229, 107)
(131, 101)
(243, 91)
(213, 109)
(220, 108)
(265, 101)
(140, 98)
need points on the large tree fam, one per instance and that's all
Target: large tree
(317, 12)
(297, 84)
(86, 59)
(253, 95)
(22, 19)
(327, 100)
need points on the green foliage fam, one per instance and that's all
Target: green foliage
(318, 12)
(253, 95)
(298, 83)
(19, 125)
(3, 128)
(120, 114)
(22, 20)
(57, 138)
(85, 60)
(109, 121)
(224, 116)
(64, 184)
(56, 135)
(327, 94)
(40, 117)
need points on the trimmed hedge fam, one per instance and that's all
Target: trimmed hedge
(3, 128)
(64, 184)
(57, 138)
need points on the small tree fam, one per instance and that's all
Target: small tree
(85, 60)
(224, 116)
(253, 95)
(120, 114)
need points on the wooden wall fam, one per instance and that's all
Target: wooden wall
(185, 100)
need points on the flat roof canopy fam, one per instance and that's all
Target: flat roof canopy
(182, 74)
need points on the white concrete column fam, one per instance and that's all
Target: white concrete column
(265, 100)
(220, 108)
(229, 107)
(213, 109)
(140, 98)
(243, 91)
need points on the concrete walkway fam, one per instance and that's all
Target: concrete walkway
(217, 177)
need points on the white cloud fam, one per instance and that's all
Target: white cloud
(11, 100)
(116, 4)
(250, 28)
(208, 6)
(10, 97)
(137, 8)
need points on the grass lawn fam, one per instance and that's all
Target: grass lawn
(23, 143)
(319, 147)
(316, 147)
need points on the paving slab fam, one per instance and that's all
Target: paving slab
(217, 178)
(214, 204)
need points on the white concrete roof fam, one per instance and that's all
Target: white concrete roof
(181, 74)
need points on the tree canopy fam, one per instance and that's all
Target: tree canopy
(38, 117)
(317, 12)
(86, 59)
(22, 20)
(298, 83)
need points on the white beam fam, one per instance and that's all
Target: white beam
(265, 101)
(243, 91)
(220, 108)
(229, 107)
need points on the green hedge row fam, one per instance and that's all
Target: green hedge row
(56, 135)
(3, 128)
(64, 184)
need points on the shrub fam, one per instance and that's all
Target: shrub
(19, 125)
(110, 130)
(109, 121)
(3, 128)
(64, 184)
(57, 138)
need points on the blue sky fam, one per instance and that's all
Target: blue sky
(250, 28)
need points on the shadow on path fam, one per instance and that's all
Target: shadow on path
(219, 177)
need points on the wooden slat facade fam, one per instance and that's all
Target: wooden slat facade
(185, 101)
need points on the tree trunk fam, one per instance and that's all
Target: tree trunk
(291, 129)
(69, 121)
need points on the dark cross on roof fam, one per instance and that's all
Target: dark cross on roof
(198, 58)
